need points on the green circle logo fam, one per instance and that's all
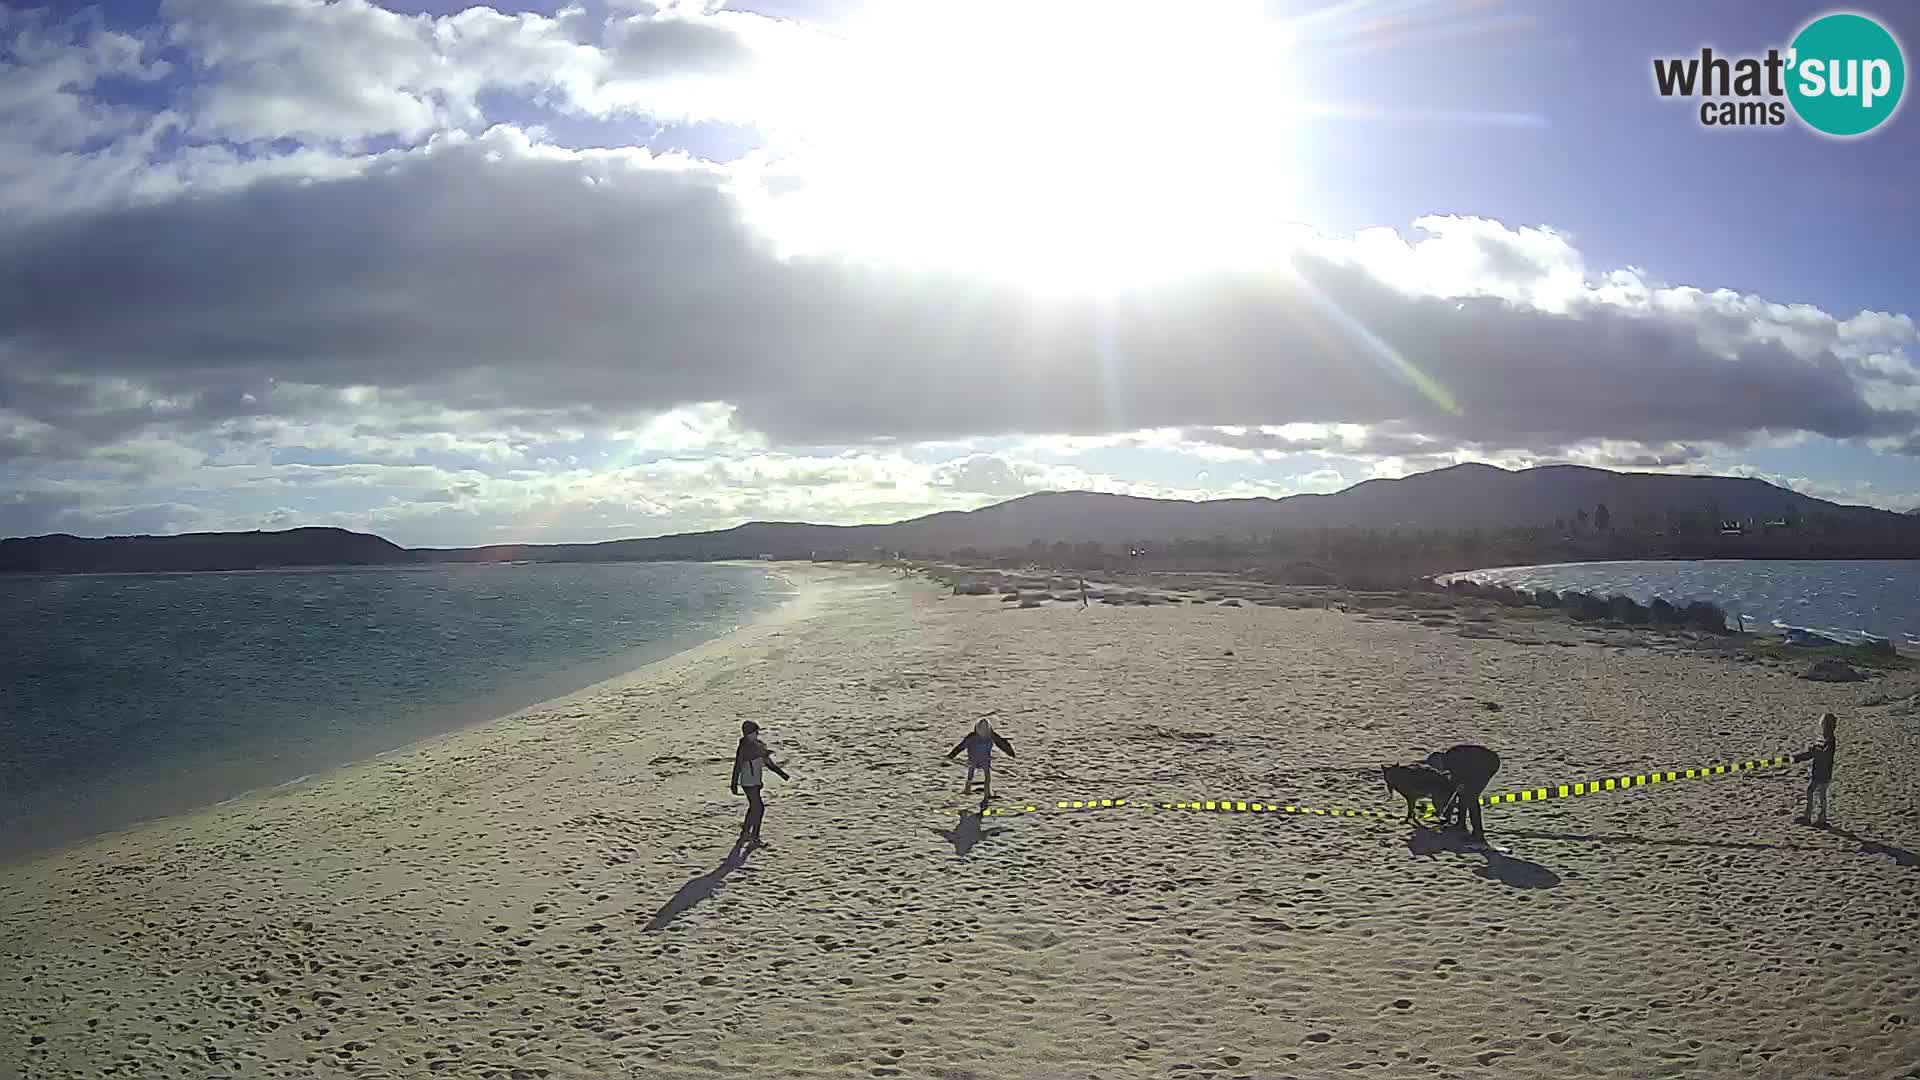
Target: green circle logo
(1845, 74)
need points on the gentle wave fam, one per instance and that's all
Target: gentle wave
(1846, 600)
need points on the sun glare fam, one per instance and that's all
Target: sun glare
(1064, 145)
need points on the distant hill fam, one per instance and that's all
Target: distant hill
(1471, 496)
(1455, 499)
(63, 554)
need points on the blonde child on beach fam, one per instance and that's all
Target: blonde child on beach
(1821, 775)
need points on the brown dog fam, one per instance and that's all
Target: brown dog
(1416, 782)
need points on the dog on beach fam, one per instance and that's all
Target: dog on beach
(1418, 781)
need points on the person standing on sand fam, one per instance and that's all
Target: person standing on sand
(748, 758)
(979, 744)
(1818, 779)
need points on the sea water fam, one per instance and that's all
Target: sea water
(130, 696)
(1880, 597)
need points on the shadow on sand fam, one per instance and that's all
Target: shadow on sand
(698, 889)
(1899, 855)
(966, 833)
(1659, 841)
(1505, 869)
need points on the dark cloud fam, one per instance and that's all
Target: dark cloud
(485, 275)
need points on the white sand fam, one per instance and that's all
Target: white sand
(546, 895)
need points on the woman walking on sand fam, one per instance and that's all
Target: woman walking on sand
(979, 744)
(748, 758)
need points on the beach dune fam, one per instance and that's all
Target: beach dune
(554, 894)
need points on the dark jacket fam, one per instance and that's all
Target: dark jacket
(1821, 754)
(749, 749)
(979, 751)
(1472, 767)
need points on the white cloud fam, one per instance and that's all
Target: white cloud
(192, 302)
(48, 73)
(1863, 493)
(703, 426)
(348, 70)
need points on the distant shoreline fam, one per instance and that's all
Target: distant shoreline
(402, 565)
(1678, 558)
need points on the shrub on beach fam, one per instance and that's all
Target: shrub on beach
(1701, 615)
(1580, 605)
(1628, 610)
(1827, 669)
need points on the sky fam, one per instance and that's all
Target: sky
(573, 272)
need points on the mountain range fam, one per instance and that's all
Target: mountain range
(1453, 499)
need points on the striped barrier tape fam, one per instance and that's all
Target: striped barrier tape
(1621, 783)
(1239, 806)
(1034, 808)
(1527, 795)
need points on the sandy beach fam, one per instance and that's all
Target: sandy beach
(551, 894)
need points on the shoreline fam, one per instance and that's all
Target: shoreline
(553, 893)
(1160, 586)
(460, 717)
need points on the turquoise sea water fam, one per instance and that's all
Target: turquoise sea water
(1874, 596)
(130, 696)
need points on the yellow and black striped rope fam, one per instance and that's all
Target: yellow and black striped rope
(1621, 783)
(1241, 806)
(1034, 808)
(1528, 795)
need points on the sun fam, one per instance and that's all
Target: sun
(1060, 144)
